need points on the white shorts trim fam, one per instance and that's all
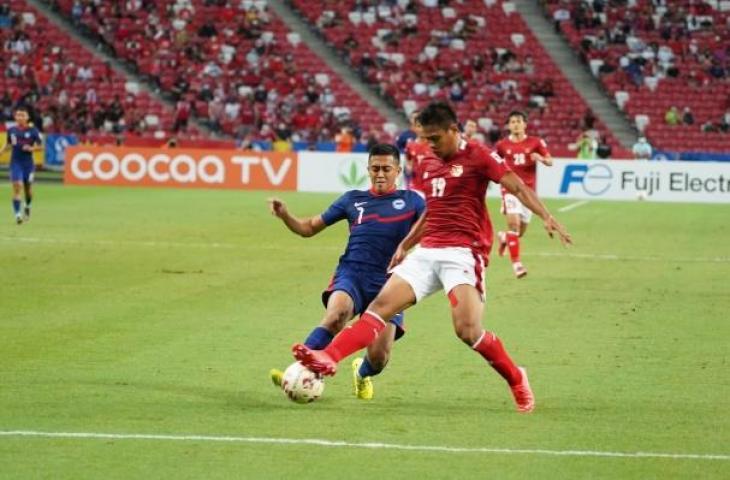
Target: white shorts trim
(428, 270)
(511, 205)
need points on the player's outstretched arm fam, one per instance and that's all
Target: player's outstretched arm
(306, 227)
(546, 160)
(529, 198)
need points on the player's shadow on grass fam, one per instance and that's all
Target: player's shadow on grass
(233, 398)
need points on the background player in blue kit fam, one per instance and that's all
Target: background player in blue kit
(379, 219)
(24, 140)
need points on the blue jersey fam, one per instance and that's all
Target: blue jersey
(19, 138)
(378, 223)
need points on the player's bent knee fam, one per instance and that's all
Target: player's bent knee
(468, 334)
(381, 306)
(336, 321)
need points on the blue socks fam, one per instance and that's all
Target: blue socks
(16, 206)
(318, 338)
(366, 369)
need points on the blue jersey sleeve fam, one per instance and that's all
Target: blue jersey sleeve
(419, 203)
(37, 137)
(337, 211)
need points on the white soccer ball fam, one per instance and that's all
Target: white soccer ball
(302, 385)
(641, 195)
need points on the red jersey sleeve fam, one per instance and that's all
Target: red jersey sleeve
(499, 147)
(494, 165)
(541, 147)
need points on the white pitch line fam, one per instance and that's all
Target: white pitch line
(244, 246)
(573, 205)
(631, 258)
(369, 445)
(112, 243)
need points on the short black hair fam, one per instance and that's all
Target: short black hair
(517, 113)
(385, 149)
(21, 108)
(439, 114)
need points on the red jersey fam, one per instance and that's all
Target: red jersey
(415, 151)
(517, 155)
(455, 189)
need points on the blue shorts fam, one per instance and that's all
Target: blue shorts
(21, 171)
(362, 286)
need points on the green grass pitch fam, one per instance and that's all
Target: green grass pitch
(160, 312)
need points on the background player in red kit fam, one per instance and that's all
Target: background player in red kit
(521, 153)
(455, 238)
(415, 150)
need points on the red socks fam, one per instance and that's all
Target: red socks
(355, 337)
(490, 347)
(513, 244)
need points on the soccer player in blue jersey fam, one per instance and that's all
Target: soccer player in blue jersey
(379, 219)
(24, 140)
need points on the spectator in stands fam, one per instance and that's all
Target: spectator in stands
(180, 87)
(456, 92)
(85, 73)
(716, 70)
(266, 133)
(588, 121)
(366, 63)
(207, 30)
(585, 145)
(345, 140)
(633, 70)
(560, 15)
(687, 117)
(115, 115)
(470, 128)
(409, 134)
(725, 122)
(281, 145)
(327, 98)
(709, 127)
(182, 116)
(328, 19)
(373, 138)
(15, 69)
(494, 134)
(603, 150)
(671, 117)
(642, 149)
(528, 66)
(205, 94)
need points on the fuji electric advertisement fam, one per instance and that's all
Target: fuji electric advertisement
(629, 180)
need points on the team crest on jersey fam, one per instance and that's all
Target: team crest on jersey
(457, 170)
(399, 204)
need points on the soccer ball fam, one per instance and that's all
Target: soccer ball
(302, 385)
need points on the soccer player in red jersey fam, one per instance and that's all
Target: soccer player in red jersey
(416, 150)
(455, 237)
(521, 153)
